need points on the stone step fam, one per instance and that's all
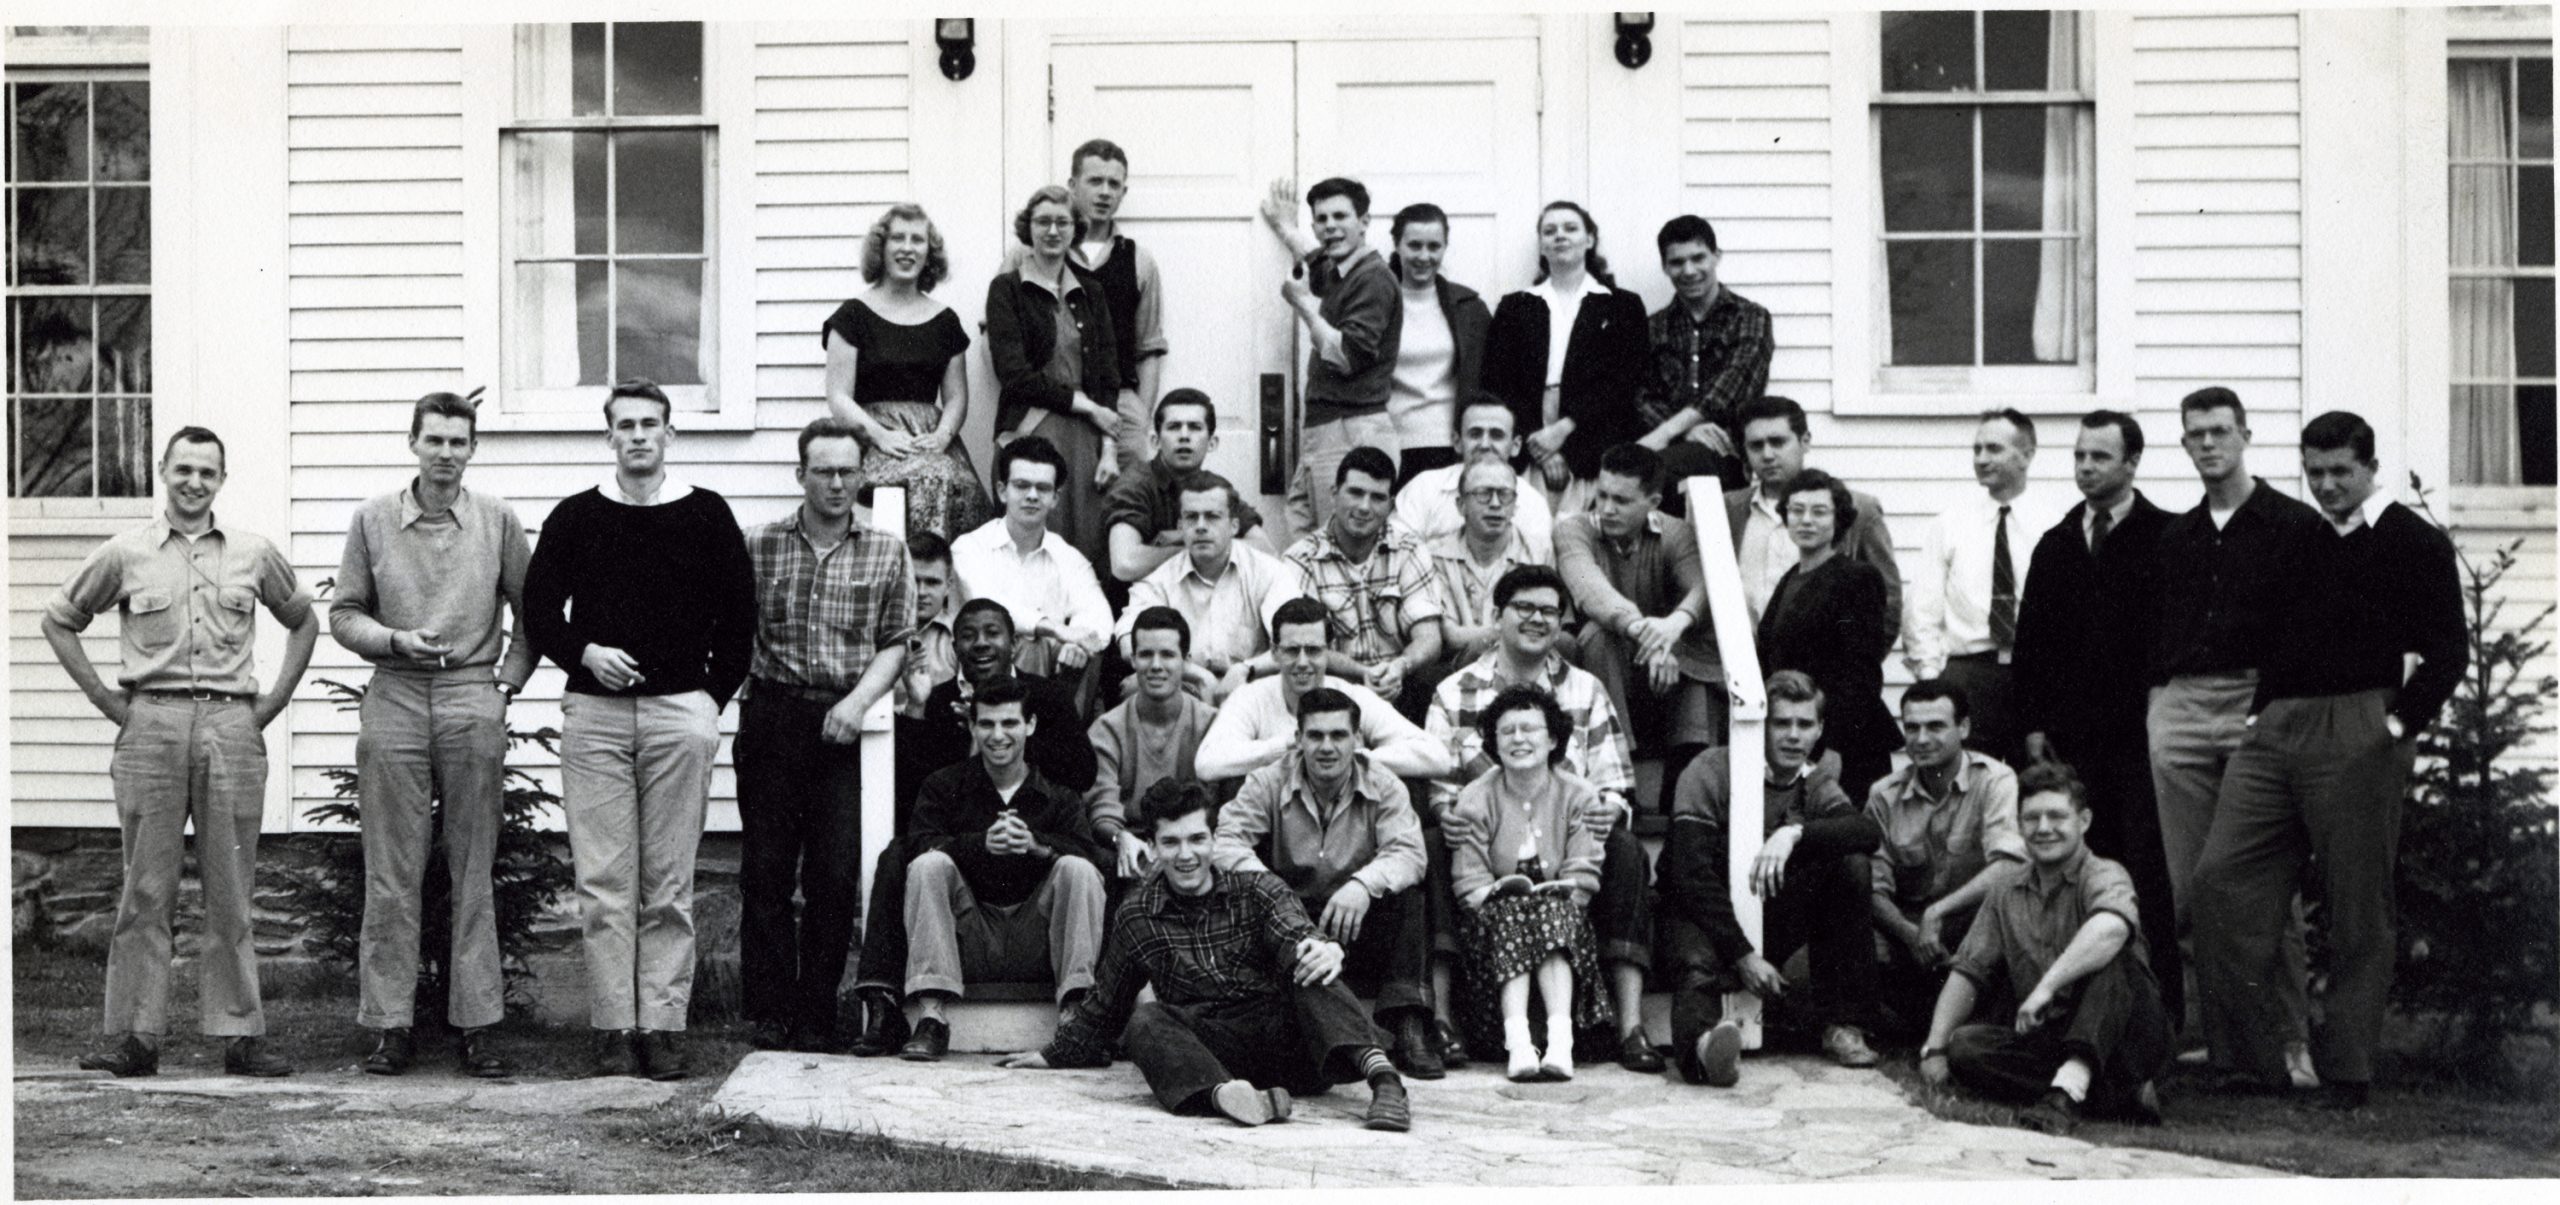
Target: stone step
(1018, 1017)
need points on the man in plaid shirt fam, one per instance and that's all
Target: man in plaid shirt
(831, 638)
(1711, 349)
(1529, 603)
(1250, 1006)
(1375, 583)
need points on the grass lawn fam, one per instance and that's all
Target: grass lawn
(77, 1142)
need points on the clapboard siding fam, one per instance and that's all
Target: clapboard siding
(58, 743)
(2529, 587)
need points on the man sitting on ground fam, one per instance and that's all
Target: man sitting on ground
(2059, 938)
(1153, 736)
(1258, 723)
(1811, 874)
(1947, 821)
(1224, 588)
(1249, 1005)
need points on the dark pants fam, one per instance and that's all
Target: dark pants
(800, 823)
(1823, 910)
(1906, 991)
(884, 922)
(1391, 960)
(1991, 695)
(2125, 826)
(2319, 781)
(1304, 1041)
(1860, 771)
(1413, 462)
(2113, 1019)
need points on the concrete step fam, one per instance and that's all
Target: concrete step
(990, 1023)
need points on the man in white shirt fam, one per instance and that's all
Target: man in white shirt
(1226, 590)
(1427, 506)
(1466, 563)
(1775, 438)
(1044, 583)
(1961, 622)
(1259, 722)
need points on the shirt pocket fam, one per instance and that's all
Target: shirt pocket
(150, 619)
(236, 613)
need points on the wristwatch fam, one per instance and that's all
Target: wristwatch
(508, 691)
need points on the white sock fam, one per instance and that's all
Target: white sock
(2073, 1080)
(1515, 1034)
(1559, 1031)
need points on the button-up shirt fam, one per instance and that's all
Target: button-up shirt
(1372, 604)
(1562, 310)
(1466, 588)
(1368, 835)
(1933, 846)
(1597, 751)
(1766, 554)
(1235, 943)
(1428, 507)
(1230, 615)
(1051, 584)
(2221, 586)
(1653, 574)
(1947, 603)
(406, 570)
(2030, 916)
(189, 607)
(1711, 365)
(821, 615)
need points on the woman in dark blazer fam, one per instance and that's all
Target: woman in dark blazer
(1826, 617)
(1440, 353)
(1057, 364)
(1569, 412)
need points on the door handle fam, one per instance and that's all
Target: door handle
(1275, 434)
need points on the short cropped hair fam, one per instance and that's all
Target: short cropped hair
(1930, 690)
(1637, 461)
(2043, 776)
(2214, 397)
(1844, 504)
(1368, 460)
(1035, 449)
(1525, 697)
(1186, 396)
(1687, 228)
(2017, 420)
(1046, 194)
(644, 389)
(1161, 618)
(1300, 610)
(1527, 577)
(982, 604)
(1340, 186)
(928, 547)
(444, 405)
(1170, 799)
(1096, 148)
(829, 427)
(197, 435)
(1201, 481)
(1773, 406)
(1003, 690)
(1795, 686)
(1325, 700)
(2340, 429)
(2126, 427)
(875, 247)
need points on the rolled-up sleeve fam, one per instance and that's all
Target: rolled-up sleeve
(93, 588)
(280, 590)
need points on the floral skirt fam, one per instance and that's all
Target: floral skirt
(1509, 937)
(944, 495)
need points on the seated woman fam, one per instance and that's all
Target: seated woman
(1568, 355)
(1524, 864)
(891, 353)
(1049, 335)
(1827, 619)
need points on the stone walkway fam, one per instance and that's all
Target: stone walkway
(1793, 1120)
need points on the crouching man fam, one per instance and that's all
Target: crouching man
(1249, 1005)
(2057, 936)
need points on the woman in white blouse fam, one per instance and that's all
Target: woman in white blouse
(1567, 354)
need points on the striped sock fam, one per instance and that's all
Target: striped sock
(1374, 1064)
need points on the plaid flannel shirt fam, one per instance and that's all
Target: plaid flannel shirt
(820, 617)
(1238, 942)
(1373, 604)
(1712, 367)
(1598, 752)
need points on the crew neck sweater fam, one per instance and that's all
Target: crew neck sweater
(669, 584)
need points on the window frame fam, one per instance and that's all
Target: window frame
(2499, 46)
(726, 400)
(1862, 382)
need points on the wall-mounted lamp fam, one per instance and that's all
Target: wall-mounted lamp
(959, 35)
(1635, 43)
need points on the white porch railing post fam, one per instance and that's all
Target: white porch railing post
(1748, 708)
(879, 727)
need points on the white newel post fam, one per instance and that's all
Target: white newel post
(1748, 708)
(879, 725)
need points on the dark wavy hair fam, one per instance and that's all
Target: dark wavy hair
(1420, 211)
(1594, 263)
(1526, 697)
(1844, 505)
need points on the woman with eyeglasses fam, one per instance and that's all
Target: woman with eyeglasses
(1440, 356)
(1568, 355)
(1827, 618)
(1057, 368)
(896, 375)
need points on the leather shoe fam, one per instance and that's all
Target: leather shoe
(613, 1053)
(1242, 1103)
(662, 1055)
(1637, 1054)
(392, 1052)
(123, 1056)
(1453, 1049)
(2053, 1113)
(884, 1027)
(1718, 1055)
(478, 1061)
(1389, 1109)
(932, 1041)
(1847, 1046)
(248, 1056)
(1416, 1049)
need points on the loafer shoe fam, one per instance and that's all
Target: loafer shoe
(884, 1027)
(1389, 1108)
(1637, 1054)
(1417, 1049)
(392, 1053)
(122, 1055)
(1846, 1046)
(932, 1040)
(2053, 1113)
(249, 1056)
(1453, 1049)
(1242, 1103)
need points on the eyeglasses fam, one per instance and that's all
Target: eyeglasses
(1053, 223)
(1493, 495)
(1037, 489)
(1535, 611)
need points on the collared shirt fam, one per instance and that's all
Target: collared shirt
(1230, 616)
(929, 650)
(1373, 604)
(1933, 846)
(1151, 502)
(1255, 728)
(1237, 942)
(1428, 507)
(1598, 752)
(2223, 586)
(1368, 836)
(1053, 584)
(2089, 523)
(1767, 553)
(1948, 600)
(1711, 365)
(821, 615)
(2366, 513)
(1562, 310)
(2030, 916)
(1653, 574)
(1466, 588)
(189, 607)
(669, 490)
(404, 569)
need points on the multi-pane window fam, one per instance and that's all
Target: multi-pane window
(79, 284)
(609, 213)
(1984, 140)
(2499, 214)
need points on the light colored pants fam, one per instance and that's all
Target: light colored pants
(1135, 425)
(635, 780)
(1320, 451)
(952, 938)
(175, 758)
(425, 737)
(2196, 722)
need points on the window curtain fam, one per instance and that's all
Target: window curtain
(2483, 226)
(2065, 271)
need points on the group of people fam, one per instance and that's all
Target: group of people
(1138, 747)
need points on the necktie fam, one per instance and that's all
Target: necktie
(2099, 525)
(2004, 586)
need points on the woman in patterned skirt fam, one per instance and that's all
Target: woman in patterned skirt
(1524, 864)
(894, 371)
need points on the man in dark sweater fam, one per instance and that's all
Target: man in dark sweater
(642, 590)
(1353, 311)
(1811, 872)
(2084, 635)
(2333, 733)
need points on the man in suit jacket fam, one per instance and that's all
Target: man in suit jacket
(1774, 440)
(2084, 633)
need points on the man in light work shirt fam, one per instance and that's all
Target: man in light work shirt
(419, 589)
(836, 608)
(1258, 723)
(1948, 819)
(1635, 577)
(1226, 590)
(1964, 595)
(189, 714)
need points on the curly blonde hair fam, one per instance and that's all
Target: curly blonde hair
(875, 247)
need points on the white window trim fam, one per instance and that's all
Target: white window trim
(2473, 504)
(728, 94)
(1856, 65)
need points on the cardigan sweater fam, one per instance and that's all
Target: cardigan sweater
(1604, 367)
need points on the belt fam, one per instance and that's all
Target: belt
(198, 695)
(767, 688)
(1995, 656)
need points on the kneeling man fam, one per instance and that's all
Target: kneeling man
(1249, 1003)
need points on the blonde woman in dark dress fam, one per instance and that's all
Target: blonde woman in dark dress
(895, 372)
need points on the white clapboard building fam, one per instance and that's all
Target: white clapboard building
(288, 233)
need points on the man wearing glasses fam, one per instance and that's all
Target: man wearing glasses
(1466, 564)
(838, 605)
(1044, 583)
(1427, 506)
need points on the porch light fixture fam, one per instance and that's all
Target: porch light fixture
(959, 35)
(1635, 41)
